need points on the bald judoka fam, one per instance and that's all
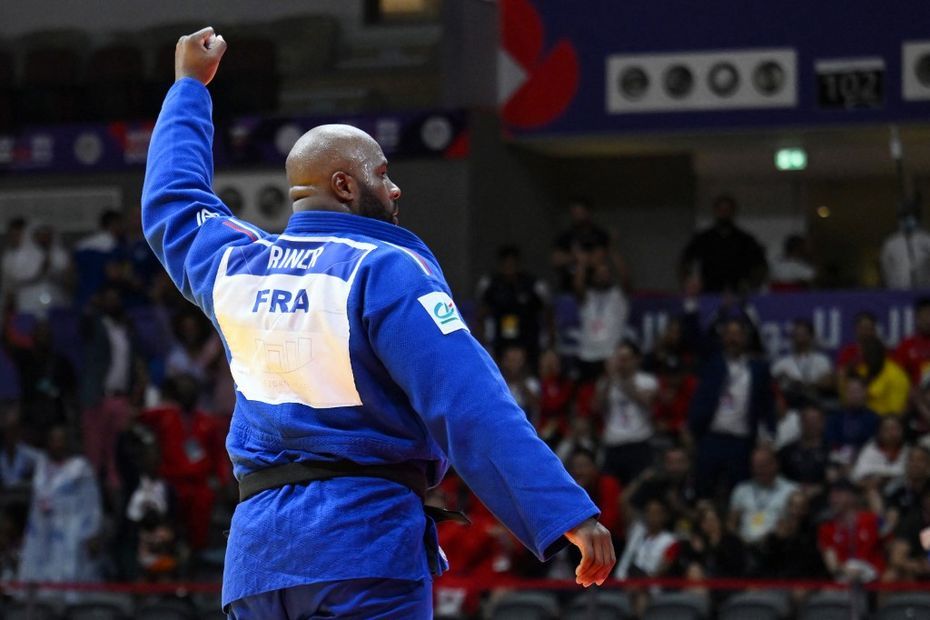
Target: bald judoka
(357, 381)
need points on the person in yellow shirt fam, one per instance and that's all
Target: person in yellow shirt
(888, 384)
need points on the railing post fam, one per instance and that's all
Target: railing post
(856, 593)
(592, 603)
(32, 595)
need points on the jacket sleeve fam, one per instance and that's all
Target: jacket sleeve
(184, 221)
(455, 387)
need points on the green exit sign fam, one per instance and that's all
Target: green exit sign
(791, 159)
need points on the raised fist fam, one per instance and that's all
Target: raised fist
(198, 55)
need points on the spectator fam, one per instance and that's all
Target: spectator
(793, 271)
(513, 306)
(673, 484)
(583, 235)
(850, 354)
(672, 347)
(907, 558)
(61, 541)
(143, 263)
(850, 427)
(10, 547)
(192, 444)
(12, 242)
(905, 257)
(713, 551)
(918, 420)
(193, 352)
(902, 497)
(99, 256)
(198, 351)
(604, 490)
(674, 395)
(17, 459)
(112, 378)
(726, 257)
(913, 353)
(888, 385)
(625, 398)
(523, 386)
(556, 391)
(151, 510)
(790, 550)
(757, 504)
(805, 373)
(883, 458)
(581, 434)
(38, 273)
(603, 314)
(733, 399)
(47, 379)
(805, 461)
(651, 550)
(849, 542)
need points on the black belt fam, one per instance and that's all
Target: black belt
(303, 472)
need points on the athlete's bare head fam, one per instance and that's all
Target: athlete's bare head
(341, 168)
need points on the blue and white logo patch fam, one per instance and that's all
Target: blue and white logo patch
(443, 311)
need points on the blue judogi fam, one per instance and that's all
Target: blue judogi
(344, 343)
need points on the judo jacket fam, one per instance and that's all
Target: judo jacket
(345, 344)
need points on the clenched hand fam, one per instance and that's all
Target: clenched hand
(198, 55)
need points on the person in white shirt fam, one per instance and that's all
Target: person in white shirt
(805, 373)
(905, 256)
(793, 271)
(650, 551)
(603, 311)
(38, 272)
(884, 458)
(757, 504)
(625, 397)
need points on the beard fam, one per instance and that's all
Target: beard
(369, 205)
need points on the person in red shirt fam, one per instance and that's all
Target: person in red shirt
(850, 542)
(913, 353)
(676, 388)
(604, 490)
(850, 355)
(193, 452)
(556, 391)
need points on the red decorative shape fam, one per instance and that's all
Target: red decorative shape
(460, 147)
(521, 31)
(547, 92)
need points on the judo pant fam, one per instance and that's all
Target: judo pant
(359, 599)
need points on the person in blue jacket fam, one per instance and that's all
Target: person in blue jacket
(357, 381)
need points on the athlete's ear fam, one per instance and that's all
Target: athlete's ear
(344, 186)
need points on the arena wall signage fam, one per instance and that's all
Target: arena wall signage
(832, 314)
(252, 141)
(678, 65)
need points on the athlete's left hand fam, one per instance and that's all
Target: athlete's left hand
(597, 552)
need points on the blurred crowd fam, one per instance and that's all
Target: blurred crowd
(706, 457)
(116, 397)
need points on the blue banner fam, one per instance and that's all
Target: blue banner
(832, 314)
(251, 141)
(609, 66)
